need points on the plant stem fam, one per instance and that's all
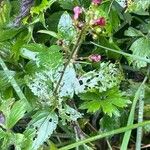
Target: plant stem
(140, 119)
(14, 84)
(72, 56)
(107, 134)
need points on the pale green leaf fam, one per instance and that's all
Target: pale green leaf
(45, 123)
(66, 30)
(133, 32)
(140, 48)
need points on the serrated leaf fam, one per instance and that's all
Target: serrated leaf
(17, 112)
(108, 123)
(69, 84)
(65, 27)
(51, 58)
(106, 77)
(42, 55)
(68, 114)
(7, 34)
(108, 101)
(45, 123)
(140, 48)
(45, 4)
(133, 32)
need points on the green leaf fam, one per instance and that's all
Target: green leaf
(45, 4)
(140, 48)
(42, 55)
(68, 114)
(51, 33)
(7, 34)
(106, 77)
(133, 32)
(17, 112)
(2, 133)
(108, 101)
(51, 58)
(108, 123)
(4, 80)
(45, 123)
(65, 27)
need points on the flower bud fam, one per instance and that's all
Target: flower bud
(77, 11)
(100, 22)
(95, 57)
(96, 2)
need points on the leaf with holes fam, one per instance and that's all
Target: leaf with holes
(45, 122)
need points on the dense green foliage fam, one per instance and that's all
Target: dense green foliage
(73, 69)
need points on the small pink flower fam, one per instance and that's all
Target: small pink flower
(96, 2)
(95, 57)
(100, 22)
(77, 11)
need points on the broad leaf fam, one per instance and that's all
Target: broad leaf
(65, 27)
(141, 48)
(45, 123)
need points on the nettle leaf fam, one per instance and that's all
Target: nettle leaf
(66, 30)
(106, 77)
(108, 101)
(70, 83)
(133, 32)
(42, 55)
(67, 4)
(140, 48)
(139, 6)
(16, 113)
(45, 123)
(68, 114)
(45, 4)
(50, 58)
(41, 85)
(7, 34)
(108, 123)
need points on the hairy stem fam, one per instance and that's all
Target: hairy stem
(72, 56)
